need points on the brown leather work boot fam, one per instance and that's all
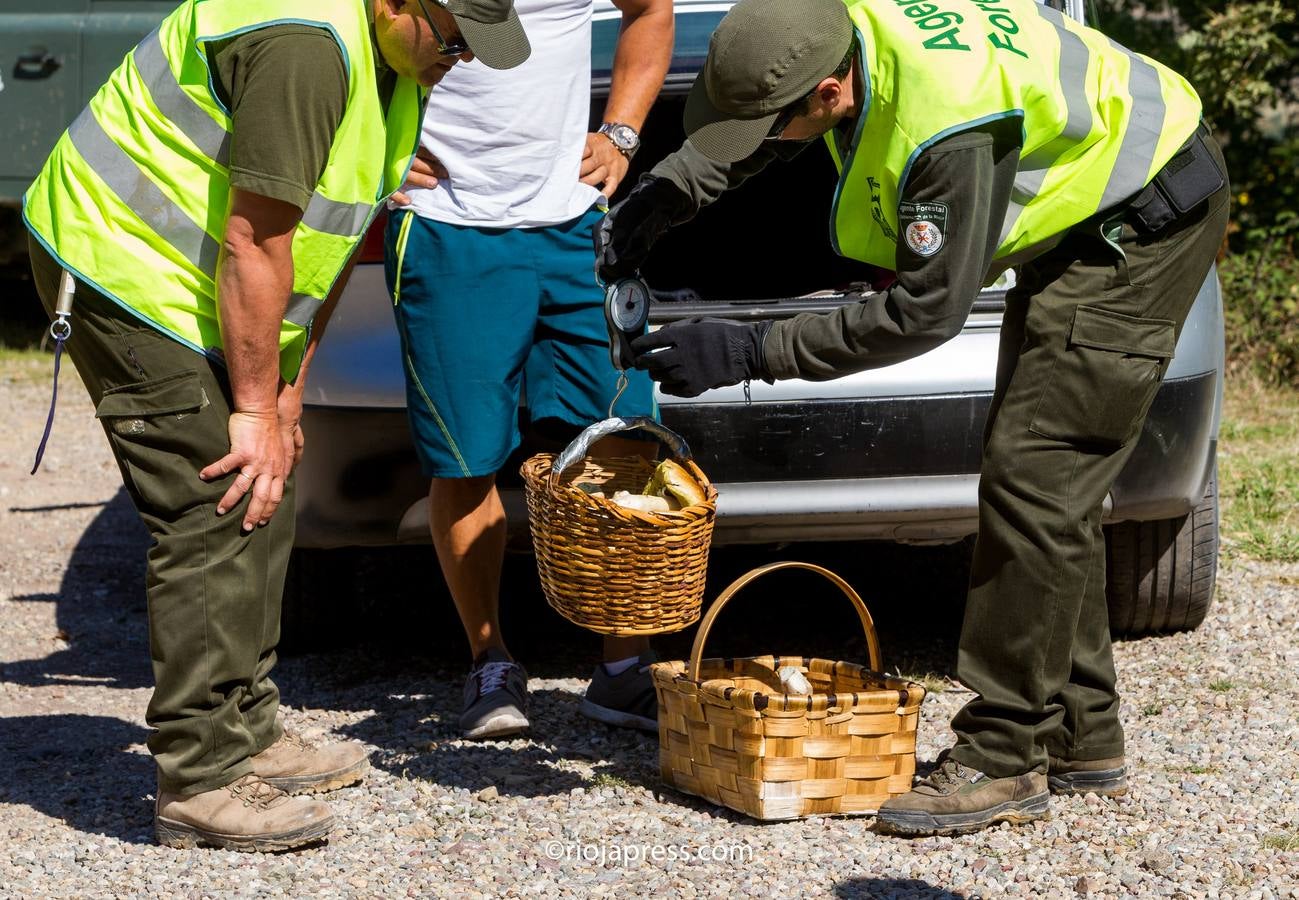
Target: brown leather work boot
(955, 799)
(298, 766)
(1103, 777)
(247, 814)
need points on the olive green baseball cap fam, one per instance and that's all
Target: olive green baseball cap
(492, 30)
(764, 55)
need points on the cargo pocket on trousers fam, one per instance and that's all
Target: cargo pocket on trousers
(1104, 381)
(157, 436)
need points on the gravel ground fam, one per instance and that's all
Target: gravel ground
(1211, 719)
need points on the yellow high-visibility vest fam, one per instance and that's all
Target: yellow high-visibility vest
(1098, 120)
(135, 196)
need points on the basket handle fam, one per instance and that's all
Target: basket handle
(868, 624)
(576, 450)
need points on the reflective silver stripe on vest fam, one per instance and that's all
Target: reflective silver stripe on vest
(1141, 139)
(302, 309)
(334, 217)
(1074, 59)
(138, 192)
(322, 214)
(179, 107)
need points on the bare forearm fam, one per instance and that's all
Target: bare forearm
(331, 302)
(254, 280)
(640, 61)
(320, 321)
(253, 287)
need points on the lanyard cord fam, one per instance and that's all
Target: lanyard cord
(60, 330)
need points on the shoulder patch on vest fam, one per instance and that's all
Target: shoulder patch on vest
(923, 225)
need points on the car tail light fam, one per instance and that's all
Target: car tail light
(372, 243)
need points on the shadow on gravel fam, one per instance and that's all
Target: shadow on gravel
(404, 657)
(418, 737)
(77, 769)
(99, 608)
(57, 507)
(523, 771)
(395, 649)
(892, 889)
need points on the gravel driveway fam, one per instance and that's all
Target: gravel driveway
(1212, 720)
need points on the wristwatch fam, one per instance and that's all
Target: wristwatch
(624, 137)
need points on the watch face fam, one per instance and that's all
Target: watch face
(624, 136)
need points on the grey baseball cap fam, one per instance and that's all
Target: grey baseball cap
(491, 29)
(764, 55)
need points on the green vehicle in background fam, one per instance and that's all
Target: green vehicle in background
(54, 55)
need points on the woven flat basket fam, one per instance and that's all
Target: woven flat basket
(611, 569)
(729, 733)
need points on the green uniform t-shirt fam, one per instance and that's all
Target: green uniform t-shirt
(286, 89)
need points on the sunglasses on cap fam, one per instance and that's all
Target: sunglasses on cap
(458, 48)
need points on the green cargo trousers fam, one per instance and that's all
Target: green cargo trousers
(213, 592)
(1088, 333)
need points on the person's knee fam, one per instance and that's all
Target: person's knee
(462, 490)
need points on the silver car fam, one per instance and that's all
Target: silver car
(890, 454)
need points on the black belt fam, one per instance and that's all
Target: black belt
(1187, 180)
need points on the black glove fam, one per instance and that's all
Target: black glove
(624, 236)
(690, 357)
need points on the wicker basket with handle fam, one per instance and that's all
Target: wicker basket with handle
(730, 734)
(611, 569)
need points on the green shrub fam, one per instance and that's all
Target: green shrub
(1242, 57)
(1260, 296)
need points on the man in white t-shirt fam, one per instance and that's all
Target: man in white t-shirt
(489, 265)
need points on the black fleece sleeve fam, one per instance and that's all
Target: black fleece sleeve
(950, 216)
(703, 180)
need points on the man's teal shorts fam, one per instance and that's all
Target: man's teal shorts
(491, 315)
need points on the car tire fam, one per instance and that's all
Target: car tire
(1161, 574)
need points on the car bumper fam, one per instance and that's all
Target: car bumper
(359, 483)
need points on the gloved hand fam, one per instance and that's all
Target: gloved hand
(624, 236)
(690, 357)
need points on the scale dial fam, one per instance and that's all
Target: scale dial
(626, 312)
(627, 303)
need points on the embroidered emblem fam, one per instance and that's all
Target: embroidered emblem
(923, 224)
(924, 238)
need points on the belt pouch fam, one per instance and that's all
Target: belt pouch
(1185, 181)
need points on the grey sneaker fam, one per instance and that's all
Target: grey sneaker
(496, 699)
(625, 700)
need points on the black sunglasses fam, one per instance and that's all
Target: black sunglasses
(787, 115)
(459, 48)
